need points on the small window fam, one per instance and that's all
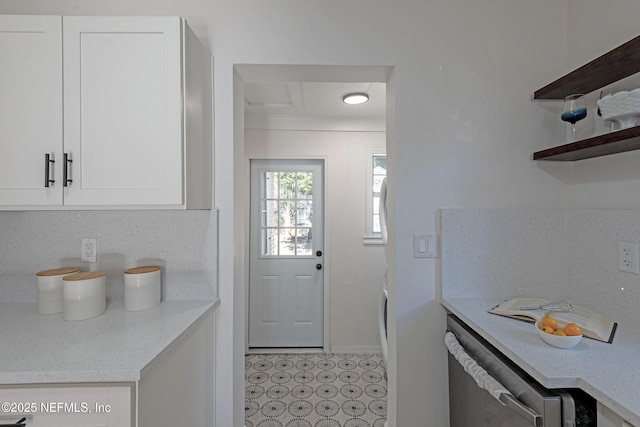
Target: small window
(377, 171)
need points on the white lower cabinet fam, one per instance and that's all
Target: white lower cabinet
(177, 388)
(69, 406)
(608, 418)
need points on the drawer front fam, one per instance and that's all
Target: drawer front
(68, 406)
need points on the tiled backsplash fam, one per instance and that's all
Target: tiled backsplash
(183, 243)
(550, 253)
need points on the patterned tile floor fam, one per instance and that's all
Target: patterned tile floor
(315, 390)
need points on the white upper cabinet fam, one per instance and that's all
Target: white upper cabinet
(30, 109)
(134, 133)
(122, 104)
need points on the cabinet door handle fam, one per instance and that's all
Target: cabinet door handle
(47, 170)
(66, 166)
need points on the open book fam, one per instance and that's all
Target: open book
(593, 325)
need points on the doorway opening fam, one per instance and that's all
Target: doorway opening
(350, 264)
(297, 112)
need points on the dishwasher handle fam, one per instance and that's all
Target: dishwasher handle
(488, 383)
(521, 409)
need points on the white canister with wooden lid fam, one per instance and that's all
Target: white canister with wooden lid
(84, 295)
(142, 288)
(49, 286)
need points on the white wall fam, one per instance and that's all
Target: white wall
(464, 131)
(355, 270)
(595, 28)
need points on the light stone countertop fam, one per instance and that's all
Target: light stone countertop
(608, 372)
(118, 346)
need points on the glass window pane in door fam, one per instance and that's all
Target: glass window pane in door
(304, 213)
(304, 185)
(270, 213)
(270, 185)
(287, 241)
(287, 213)
(304, 244)
(286, 185)
(269, 241)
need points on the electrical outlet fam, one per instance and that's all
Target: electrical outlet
(628, 257)
(89, 250)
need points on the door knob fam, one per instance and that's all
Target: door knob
(318, 253)
(318, 266)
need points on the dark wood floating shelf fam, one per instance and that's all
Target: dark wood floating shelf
(614, 65)
(621, 62)
(601, 145)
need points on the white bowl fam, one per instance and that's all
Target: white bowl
(558, 340)
(622, 107)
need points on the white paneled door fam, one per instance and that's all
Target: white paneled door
(286, 276)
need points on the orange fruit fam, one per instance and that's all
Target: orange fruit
(560, 332)
(572, 329)
(550, 322)
(547, 329)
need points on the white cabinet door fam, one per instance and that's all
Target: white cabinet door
(122, 110)
(31, 109)
(69, 406)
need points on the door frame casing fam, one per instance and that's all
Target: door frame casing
(326, 286)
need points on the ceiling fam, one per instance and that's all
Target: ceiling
(313, 100)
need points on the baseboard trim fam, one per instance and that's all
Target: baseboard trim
(357, 349)
(282, 350)
(348, 349)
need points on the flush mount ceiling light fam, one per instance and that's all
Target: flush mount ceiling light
(355, 98)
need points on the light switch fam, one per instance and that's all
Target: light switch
(425, 246)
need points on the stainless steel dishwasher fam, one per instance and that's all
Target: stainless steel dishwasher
(486, 389)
